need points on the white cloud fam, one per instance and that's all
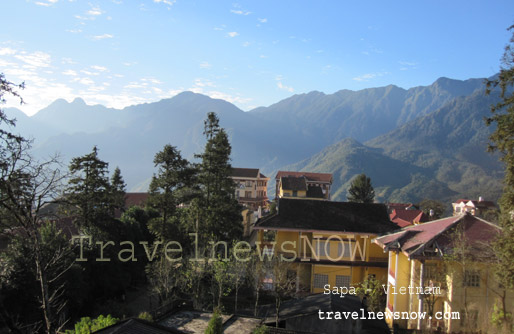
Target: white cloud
(35, 59)
(68, 61)
(263, 20)
(199, 82)
(70, 73)
(232, 34)
(369, 76)
(46, 3)
(240, 12)
(99, 68)
(74, 31)
(100, 37)
(205, 64)
(95, 11)
(7, 51)
(246, 44)
(283, 87)
(166, 2)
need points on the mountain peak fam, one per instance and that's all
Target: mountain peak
(78, 101)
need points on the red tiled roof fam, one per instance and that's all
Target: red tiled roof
(408, 217)
(319, 177)
(413, 240)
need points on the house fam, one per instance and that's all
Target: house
(476, 208)
(303, 185)
(407, 217)
(251, 187)
(442, 267)
(326, 242)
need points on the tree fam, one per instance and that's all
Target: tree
(215, 325)
(372, 290)
(118, 190)
(219, 211)
(169, 188)
(26, 185)
(87, 325)
(90, 193)
(361, 190)
(436, 207)
(502, 140)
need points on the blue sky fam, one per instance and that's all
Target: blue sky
(250, 53)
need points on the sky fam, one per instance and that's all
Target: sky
(250, 53)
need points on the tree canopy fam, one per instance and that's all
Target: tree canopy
(361, 190)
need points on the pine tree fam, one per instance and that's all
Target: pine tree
(220, 213)
(89, 192)
(361, 190)
(169, 188)
(118, 190)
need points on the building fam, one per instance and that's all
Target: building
(406, 214)
(476, 208)
(251, 187)
(303, 185)
(327, 242)
(443, 266)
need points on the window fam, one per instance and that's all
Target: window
(343, 249)
(320, 281)
(342, 281)
(295, 193)
(248, 183)
(323, 248)
(471, 278)
(248, 194)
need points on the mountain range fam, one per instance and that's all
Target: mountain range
(424, 142)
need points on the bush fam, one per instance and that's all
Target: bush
(145, 316)
(262, 329)
(87, 326)
(215, 325)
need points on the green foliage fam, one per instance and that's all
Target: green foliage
(361, 190)
(145, 316)
(86, 325)
(215, 325)
(499, 316)
(169, 188)
(372, 290)
(263, 329)
(502, 140)
(90, 193)
(217, 207)
(438, 208)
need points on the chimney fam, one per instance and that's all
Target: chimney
(431, 213)
(480, 199)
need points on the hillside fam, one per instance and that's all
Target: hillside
(430, 137)
(441, 155)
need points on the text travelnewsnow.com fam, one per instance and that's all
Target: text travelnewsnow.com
(364, 315)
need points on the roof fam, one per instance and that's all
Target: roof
(137, 326)
(415, 241)
(135, 199)
(405, 218)
(478, 204)
(311, 177)
(246, 172)
(315, 192)
(313, 304)
(314, 215)
(293, 183)
(190, 321)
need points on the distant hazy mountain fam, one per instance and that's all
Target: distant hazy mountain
(441, 155)
(363, 114)
(421, 138)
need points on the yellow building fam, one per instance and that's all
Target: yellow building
(443, 268)
(328, 243)
(303, 185)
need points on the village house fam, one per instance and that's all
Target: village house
(329, 241)
(303, 185)
(476, 208)
(406, 214)
(442, 268)
(251, 187)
